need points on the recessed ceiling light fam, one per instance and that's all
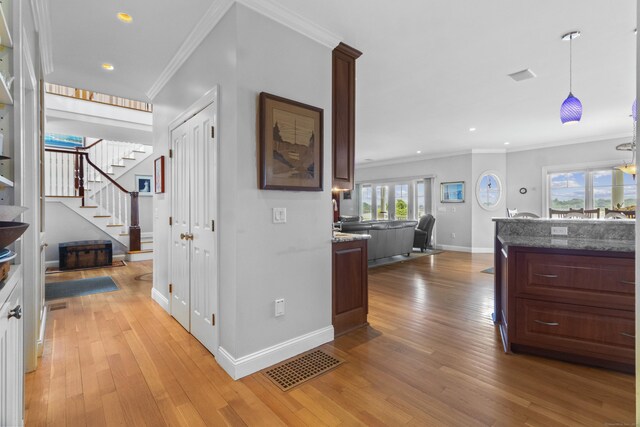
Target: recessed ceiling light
(507, 143)
(418, 152)
(125, 17)
(107, 66)
(472, 129)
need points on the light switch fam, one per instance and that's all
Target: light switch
(279, 307)
(279, 215)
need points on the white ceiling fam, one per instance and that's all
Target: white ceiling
(430, 70)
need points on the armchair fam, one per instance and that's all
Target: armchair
(422, 233)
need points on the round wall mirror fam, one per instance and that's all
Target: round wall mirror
(489, 190)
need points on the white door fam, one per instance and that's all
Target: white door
(180, 257)
(194, 269)
(204, 274)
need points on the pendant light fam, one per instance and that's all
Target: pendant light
(630, 167)
(571, 109)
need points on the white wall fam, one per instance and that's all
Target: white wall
(482, 226)
(65, 225)
(472, 224)
(450, 217)
(245, 54)
(524, 168)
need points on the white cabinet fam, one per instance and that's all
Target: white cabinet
(11, 352)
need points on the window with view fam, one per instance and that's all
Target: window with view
(402, 201)
(366, 203)
(602, 188)
(419, 203)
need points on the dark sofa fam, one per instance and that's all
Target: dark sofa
(388, 238)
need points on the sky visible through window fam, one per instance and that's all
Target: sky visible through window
(605, 188)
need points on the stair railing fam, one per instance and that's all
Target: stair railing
(67, 174)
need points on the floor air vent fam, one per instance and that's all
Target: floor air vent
(304, 367)
(57, 306)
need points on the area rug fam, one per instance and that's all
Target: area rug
(54, 270)
(76, 288)
(402, 258)
(487, 270)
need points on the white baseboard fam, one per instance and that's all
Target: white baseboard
(482, 250)
(160, 299)
(246, 365)
(465, 249)
(56, 262)
(454, 248)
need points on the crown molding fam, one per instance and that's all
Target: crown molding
(42, 20)
(292, 20)
(412, 159)
(214, 14)
(209, 20)
(617, 138)
(488, 151)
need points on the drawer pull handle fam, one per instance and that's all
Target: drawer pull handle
(624, 334)
(627, 282)
(548, 276)
(547, 323)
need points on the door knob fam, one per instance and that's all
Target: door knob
(183, 236)
(190, 236)
(16, 312)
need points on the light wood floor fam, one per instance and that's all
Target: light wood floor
(430, 357)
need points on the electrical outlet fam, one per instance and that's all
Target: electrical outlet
(453, 235)
(559, 231)
(279, 215)
(279, 307)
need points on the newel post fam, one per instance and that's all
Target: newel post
(134, 227)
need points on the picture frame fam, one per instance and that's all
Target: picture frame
(158, 175)
(290, 145)
(143, 185)
(452, 192)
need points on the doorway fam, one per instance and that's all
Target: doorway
(193, 237)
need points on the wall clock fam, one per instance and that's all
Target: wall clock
(523, 190)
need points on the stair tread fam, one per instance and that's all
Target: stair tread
(139, 151)
(128, 158)
(102, 216)
(88, 207)
(143, 251)
(67, 197)
(123, 234)
(115, 225)
(118, 166)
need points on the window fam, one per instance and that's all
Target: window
(402, 201)
(366, 202)
(592, 188)
(419, 203)
(382, 205)
(567, 190)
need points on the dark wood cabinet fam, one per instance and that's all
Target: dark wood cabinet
(350, 286)
(576, 305)
(344, 113)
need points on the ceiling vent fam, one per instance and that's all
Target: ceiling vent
(523, 75)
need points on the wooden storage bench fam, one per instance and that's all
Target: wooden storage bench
(85, 254)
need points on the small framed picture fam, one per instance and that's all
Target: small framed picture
(143, 185)
(452, 192)
(158, 175)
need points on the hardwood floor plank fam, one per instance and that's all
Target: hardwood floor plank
(430, 357)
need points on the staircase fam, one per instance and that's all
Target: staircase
(85, 181)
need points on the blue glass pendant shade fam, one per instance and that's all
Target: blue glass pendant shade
(634, 110)
(571, 109)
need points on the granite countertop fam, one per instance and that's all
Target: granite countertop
(563, 242)
(340, 237)
(565, 220)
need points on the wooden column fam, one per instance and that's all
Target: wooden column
(344, 116)
(134, 227)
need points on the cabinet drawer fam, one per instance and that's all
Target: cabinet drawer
(589, 280)
(590, 331)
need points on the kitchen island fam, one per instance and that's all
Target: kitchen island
(566, 289)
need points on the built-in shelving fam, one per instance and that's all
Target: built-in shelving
(5, 93)
(5, 34)
(6, 182)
